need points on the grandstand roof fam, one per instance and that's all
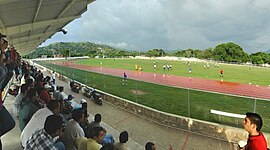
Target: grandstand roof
(28, 23)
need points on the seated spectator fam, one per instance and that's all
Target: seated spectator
(60, 95)
(47, 81)
(73, 129)
(96, 122)
(29, 107)
(39, 81)
(252, 123)
(72, 103)
(10, 53)
(95, 137)
(27, 77)
(43, 138)
(13, 90)
(152, 146)
(44, 94)
(123, 138)
(38, 119)
(18, 100)
(29, 82)
(108, 138)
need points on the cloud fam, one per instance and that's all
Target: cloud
(122, 45)
(173, 24)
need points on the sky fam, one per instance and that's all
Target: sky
(142, 25)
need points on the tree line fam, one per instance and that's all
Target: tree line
(226, 52)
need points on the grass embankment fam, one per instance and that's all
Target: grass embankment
(170, 99)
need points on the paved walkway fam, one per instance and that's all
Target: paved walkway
(140, 130)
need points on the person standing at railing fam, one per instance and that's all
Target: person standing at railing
(3, 69)
(53, 78)
(252, 123)
(6, 121)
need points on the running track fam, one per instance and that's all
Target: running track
(182, 82)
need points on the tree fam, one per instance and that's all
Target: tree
(260, 58)
(256, 59)
(208, 53)
(230, 52)
(155, 53)
(185, 53)
(65, 52)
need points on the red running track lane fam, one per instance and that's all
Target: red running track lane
(182, 82)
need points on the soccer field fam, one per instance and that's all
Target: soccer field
(232, 73)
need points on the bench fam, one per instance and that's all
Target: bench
(227, 114)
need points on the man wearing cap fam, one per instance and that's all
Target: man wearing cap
(72, 103)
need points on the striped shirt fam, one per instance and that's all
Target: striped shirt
(40, 140)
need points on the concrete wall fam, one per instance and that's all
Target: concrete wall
(209, 129)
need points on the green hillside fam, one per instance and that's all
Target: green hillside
(78, 49)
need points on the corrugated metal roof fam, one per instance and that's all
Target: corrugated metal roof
(28, 23)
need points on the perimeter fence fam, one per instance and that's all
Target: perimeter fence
(184, 102)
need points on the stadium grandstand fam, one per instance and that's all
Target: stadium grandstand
(34, 96)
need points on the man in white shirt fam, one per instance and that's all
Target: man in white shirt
(18, 100)
(53, 78)
(60, 95)
(73, 129)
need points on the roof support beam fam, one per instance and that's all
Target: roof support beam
(66, 8)
(38, 8)
(1, 23)
(31, 26)
(63, 12)
(29, 44)
(37, 41)
(36, 14)
(6, 1)
(31, 37)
